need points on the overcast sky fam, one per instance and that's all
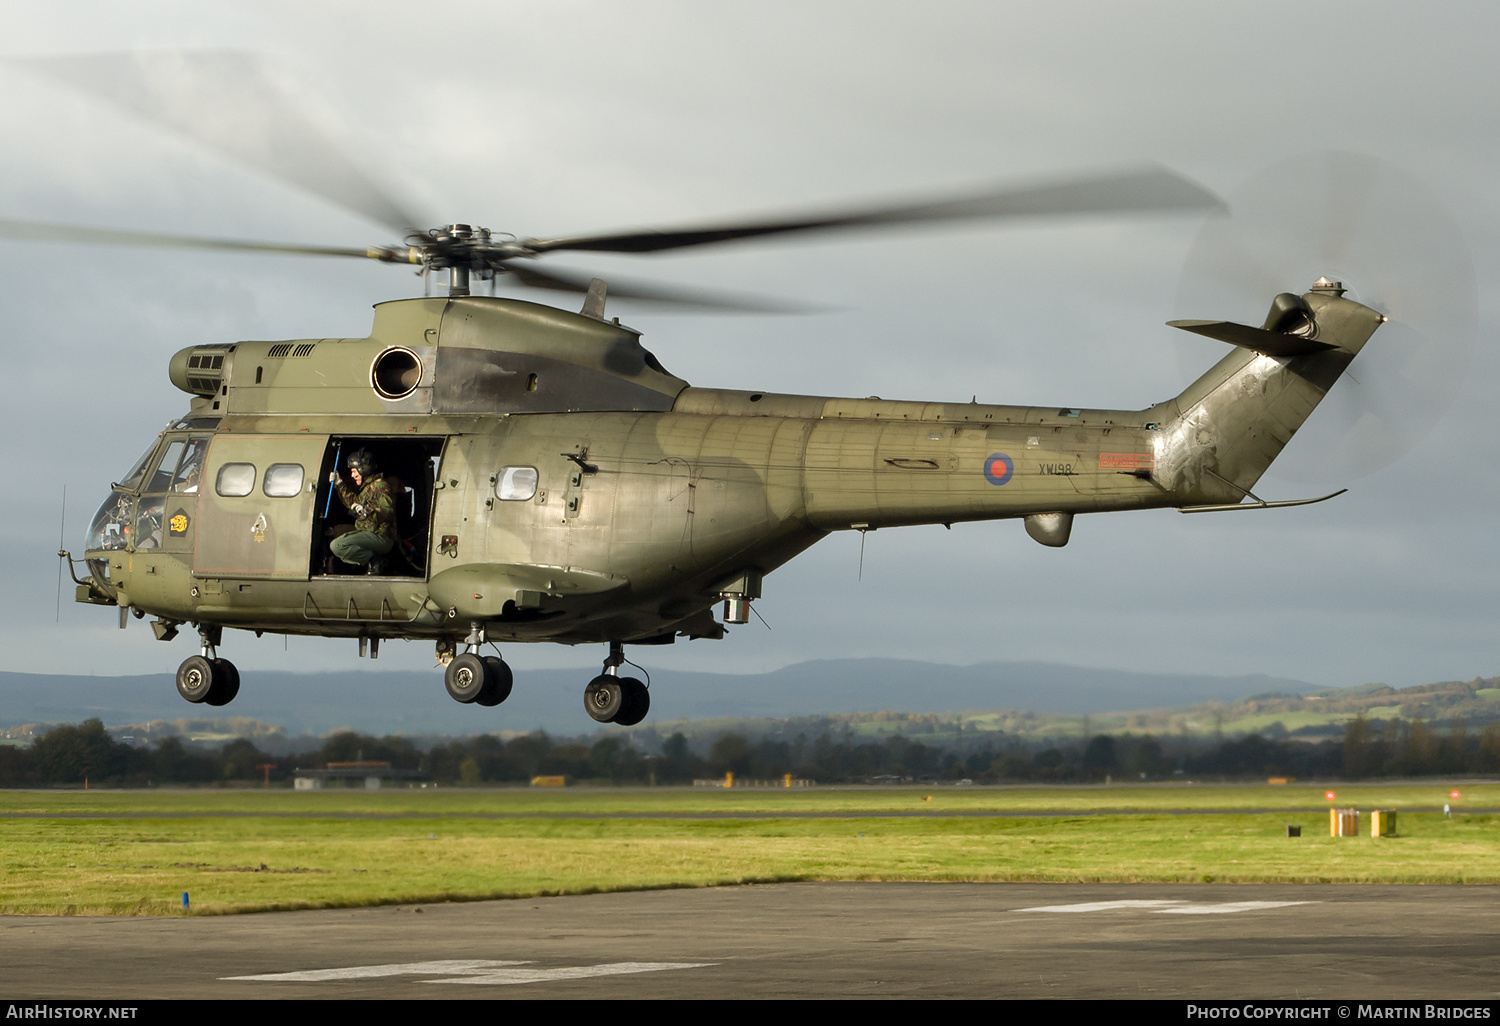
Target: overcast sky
(556, 118)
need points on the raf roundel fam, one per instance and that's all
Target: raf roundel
(998, 468)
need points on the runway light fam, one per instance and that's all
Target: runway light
(1329, 795)
(1453, 794)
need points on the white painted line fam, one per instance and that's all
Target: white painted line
(366, 972)
(1228, 906)
(581, 972)
(472, 970)
(1101, 906)
(1175, 907)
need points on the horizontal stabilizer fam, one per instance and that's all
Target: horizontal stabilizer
(1272, 343)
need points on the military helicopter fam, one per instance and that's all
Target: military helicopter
(552, 481)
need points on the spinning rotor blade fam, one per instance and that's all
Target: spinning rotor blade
(574, 281)
(1355, 219)
(231, 102)
(1150, 188)
(235, 103)
(41, 231)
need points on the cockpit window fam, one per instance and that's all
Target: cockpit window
(162, 477)
(191, 465)
(148, 519)
(110, 528)
(138, 470)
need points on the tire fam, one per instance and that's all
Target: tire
(226, 683)
(465, 678)
(603, 698)
(195, 679)
(498, 682)
(637, 702)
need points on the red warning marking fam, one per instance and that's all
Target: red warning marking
(1126, 461)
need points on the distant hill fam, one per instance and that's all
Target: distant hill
(388, 702)
(869, 698)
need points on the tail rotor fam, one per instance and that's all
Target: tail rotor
(1355, 219)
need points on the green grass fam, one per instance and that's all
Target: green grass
(934, 798)
(1294, 720)
(283, 850)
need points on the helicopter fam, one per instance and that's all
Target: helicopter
(549, 480)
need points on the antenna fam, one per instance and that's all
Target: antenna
(62, 534)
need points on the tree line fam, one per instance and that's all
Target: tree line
(73, 755)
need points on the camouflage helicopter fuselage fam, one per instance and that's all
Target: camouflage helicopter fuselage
(564, 487)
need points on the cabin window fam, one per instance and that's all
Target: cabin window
(282, 480)
(516, 483)
(235, 479)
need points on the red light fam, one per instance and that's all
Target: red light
(1453, 794)
(1329, 795)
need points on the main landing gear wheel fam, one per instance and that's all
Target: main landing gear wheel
(498, 680)
(465, 678)
(195, 679)
(226, 682)
(604, 698)
(637, 702)
(211, 681)
(622, 700)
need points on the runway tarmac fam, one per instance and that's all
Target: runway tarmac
(798, 941)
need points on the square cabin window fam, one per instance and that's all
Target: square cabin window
(516, 483)
(282, 480)
(235, 479)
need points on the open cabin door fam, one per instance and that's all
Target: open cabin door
(255, 506)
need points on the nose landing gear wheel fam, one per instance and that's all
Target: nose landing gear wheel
(465, 678)
(498, 681)
(603, 698)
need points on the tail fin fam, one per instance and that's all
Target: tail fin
(1231, 423)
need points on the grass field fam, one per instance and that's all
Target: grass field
(135, 852)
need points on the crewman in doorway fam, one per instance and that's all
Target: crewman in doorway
(374, 512)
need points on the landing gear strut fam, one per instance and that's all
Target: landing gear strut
(474, 679)
(205, 678)
(610, 698)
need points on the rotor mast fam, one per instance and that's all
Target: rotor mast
(463, 243)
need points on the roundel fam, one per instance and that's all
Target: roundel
(998, 468)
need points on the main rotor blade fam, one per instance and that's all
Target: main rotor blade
(575, 281)
(1150, 188)
(40, 231)
(231, 102)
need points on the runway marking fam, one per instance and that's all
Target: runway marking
(481, 971)
(366, 972)
(1168, 906)
(580, 972)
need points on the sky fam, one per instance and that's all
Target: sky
(560, 118)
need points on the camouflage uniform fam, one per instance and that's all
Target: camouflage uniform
(374, 531)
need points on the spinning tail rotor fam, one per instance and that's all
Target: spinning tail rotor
(1355, 220)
